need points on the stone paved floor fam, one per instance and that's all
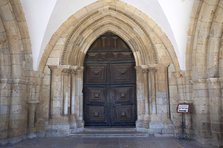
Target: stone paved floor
(75, 142)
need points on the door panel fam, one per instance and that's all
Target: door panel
(109, 83)
(95, 105)
(123, 115)
(122, 95)
(95, 95)
(96, 115)
(96, 73)
(123, 103)
(122, 73)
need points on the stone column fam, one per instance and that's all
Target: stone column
(201, 118)
(66, 88)
(65, 107)
(152, 89)
(140, 98)
(73, 101)
(73, 73)
(73, 92)
(146, 96)
(79, 97)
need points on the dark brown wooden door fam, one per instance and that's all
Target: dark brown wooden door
(109, 83)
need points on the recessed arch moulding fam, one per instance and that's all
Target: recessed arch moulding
(62, 65)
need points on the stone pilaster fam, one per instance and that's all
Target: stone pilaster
(32, 115)
(215, 109)
(221, 85)
(33, 101)
(181, 85)
(201, 118)
(221, 60)
(18, 109)
(173, 97)
(56, 92)
(215, 86)
(220, 138)
(5, 100)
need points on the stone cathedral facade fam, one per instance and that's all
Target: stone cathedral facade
(111, 65)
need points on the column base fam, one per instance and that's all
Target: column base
(31, 135)
(73, 122)
(140, 126)
(217, 139)
(161, 128)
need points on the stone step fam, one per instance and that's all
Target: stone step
(109, 130)
(109, 133)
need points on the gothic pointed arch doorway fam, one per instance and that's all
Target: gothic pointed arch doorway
(109, 83)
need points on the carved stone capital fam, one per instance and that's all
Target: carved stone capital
(80, 68)
(56, 69)
(65, 68)
(33, 101)
(19, 81)
(52, 67)
(213, 82)
(144, 68)
(72, 67)
(152, 67)
(199, 81)
(200, 84)
(72, 71)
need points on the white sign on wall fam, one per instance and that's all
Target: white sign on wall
(183, 108)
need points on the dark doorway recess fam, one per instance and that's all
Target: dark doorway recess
(109, 83)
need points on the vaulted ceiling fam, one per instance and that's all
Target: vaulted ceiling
(44, 17)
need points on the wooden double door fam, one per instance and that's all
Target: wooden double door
(109, 83)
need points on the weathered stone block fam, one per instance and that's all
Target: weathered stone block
(4, 110)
